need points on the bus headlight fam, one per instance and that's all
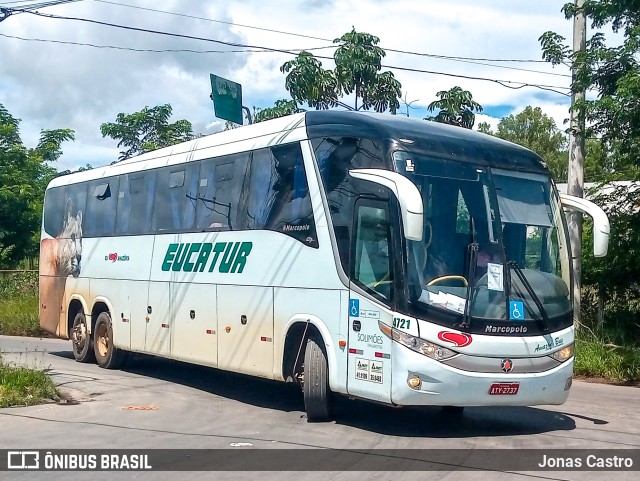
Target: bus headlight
(563, 354)
(417, 344)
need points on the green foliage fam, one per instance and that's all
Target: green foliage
(280, 109)
(358, 64)
(24, 175)
(19, 304)
(146, 130)
(21, 386)
(308, 82)
(536, 131)
(595, 357)
(613, 72)
(619, 270)
(485, 128)
(456, 107)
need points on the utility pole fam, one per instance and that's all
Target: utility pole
(575, 181)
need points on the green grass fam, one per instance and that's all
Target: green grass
(598, 359)
(21, 386)
(19, 316)
(19, 305)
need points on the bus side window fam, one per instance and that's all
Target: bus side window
(288, 210)
(54, 211)
(175, 198)
(220, 193)
(135, 203)
(101, 207)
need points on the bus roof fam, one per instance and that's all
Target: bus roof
(432, 138)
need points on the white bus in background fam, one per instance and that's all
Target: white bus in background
(379, 257)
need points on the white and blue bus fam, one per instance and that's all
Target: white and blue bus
(380, 257)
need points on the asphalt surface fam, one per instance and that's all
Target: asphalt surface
(156, 404)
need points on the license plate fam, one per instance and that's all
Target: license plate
(504, 388)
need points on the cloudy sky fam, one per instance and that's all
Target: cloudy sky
(59, 85)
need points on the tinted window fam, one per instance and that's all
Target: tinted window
(54, 211)
(102, 203)
(135, 203)
(372, 268)
(276, 195)
(175, 198)
(74, 204)
(263, 189)
(335, 157)
(219, 192)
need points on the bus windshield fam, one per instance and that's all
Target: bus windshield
(493, 246)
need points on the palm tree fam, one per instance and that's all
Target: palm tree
(456, 108)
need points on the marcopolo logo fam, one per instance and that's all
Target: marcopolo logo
(198, 256)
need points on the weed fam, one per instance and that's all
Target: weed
(21, 386)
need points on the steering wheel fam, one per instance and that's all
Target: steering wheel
(438, 280)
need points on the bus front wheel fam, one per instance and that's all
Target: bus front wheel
(107, 355)
(81, 340)
(317, 396)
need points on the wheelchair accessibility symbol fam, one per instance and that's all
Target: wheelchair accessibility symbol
(354, 307)
(516, 310)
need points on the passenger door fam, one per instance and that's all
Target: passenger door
(371, 271)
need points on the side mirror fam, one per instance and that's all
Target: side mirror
(601, 226)
(407, 194)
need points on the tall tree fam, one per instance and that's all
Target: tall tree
(147, 130)
(536, 131)
(456, 107)
(358, 68)
(612, 71)
(485, 128)
(24, 175)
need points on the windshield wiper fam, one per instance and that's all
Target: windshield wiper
(513, 265)
(473, 261)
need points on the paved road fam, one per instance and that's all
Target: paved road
(196, 407)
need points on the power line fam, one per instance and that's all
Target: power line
(133, 49)
(35, 6)
(214, 21)
(6, 12)
(407, 52)
(506, 83)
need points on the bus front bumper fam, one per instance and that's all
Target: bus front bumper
(442, 385)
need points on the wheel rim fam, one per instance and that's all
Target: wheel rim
(80, 336)
(102, 337)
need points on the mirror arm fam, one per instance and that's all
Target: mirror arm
(601, 227)
(405, 191)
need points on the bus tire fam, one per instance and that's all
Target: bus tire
(317, 396)
(81, 339)
(107, 355)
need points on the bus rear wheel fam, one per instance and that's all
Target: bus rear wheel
(317, 396)
(81, 340)
(107, 355)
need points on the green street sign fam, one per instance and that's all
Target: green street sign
(227, 99)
